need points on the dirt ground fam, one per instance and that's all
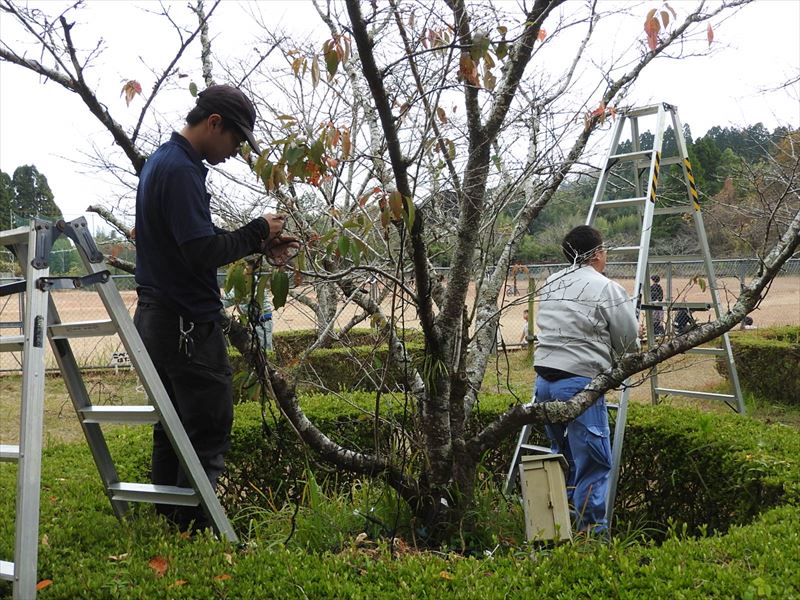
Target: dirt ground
(781, 307)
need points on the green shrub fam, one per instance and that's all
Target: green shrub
(768, 362)
(678, 464)
(345, 366)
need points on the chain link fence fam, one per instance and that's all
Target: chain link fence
(77, 305)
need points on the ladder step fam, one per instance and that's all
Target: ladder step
(6, 570)
(672, 160)
(640, 155)
(158, 494)
(674, 258)
(644, 111)
(624, 249)
(9, 453)
(695, 394)
(14, 236)
(132, 415)
(675, 304)
(80, 329)
(621, 202)
(535, 448)
(11, 343)
(673, 210)
(706, 351)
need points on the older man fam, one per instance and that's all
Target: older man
(585, 321)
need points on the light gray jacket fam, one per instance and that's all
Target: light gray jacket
(585, 322)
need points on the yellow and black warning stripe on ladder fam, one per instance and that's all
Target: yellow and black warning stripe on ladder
(655, 177)
(692, 186)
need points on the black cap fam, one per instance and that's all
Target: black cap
(231, 104)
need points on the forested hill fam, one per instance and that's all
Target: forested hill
(728, 164)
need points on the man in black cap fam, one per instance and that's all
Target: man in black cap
(178, 252)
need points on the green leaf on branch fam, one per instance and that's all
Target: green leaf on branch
(262, 286)
(343, 245)
(193, 89)
(279, 286)
(396, 204)
(331, 63)
(410, 213)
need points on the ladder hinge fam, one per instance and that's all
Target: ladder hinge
(45, 283)
(78, 231)
(46, 234)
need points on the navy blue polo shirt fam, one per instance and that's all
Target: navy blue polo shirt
(172, 208)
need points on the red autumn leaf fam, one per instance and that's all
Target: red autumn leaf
(710, 34)
(43, 584)
(598, 112)
(129, 90)
(223, 577)
(159, 565)
(541, 35)
(651, 28)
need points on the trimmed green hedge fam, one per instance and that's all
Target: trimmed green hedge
(768, 362)
(678, 464)
(358, 362)
(700, 469)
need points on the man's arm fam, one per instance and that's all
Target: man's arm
(226, 246)
(620, 314)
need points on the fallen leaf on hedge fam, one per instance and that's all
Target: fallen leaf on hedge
(118, 557)
(445, 575)
(223, 577)
(159, 564)
(228, 557)
(43, 584)
(179, 582)
(361, 538)
(45, 541)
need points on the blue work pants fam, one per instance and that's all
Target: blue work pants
(585, 444)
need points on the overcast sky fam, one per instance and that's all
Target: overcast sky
(755, 50)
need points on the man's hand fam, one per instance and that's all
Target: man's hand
(276, 223)
(281, 249)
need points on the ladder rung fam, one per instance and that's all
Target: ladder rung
(674, 258)
(158, 494)
(640, 155)
(11, 343)
(14, 236)
(676, 304)
(612, 406)
(9, 453)
(695, 394)
(120, 414)
(714, 351)
(624, 249)
(673, 210)
(621, 202)
(6, 570)
(644, 111)
(82, 329)
(535, 448)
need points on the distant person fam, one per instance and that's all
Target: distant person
(657, 295)
(178, 252)
(523, 339)
(586, 321)
(683, 321)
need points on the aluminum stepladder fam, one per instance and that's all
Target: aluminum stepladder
(645, 200)
(32, 246)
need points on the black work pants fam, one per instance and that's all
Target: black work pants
(199, 384)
